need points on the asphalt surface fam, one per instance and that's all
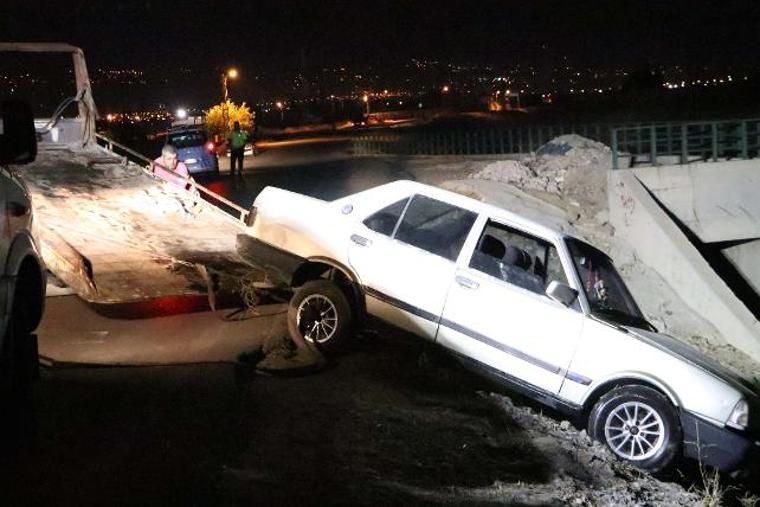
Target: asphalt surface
(323, 170)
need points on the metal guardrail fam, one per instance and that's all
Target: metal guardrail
(472, 142)
(686, 141)
(638, 143)
(240, 214)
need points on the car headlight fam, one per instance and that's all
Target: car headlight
(739, 417)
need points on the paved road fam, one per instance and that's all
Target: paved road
(323, 170)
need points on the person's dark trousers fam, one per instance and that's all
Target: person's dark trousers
(236, 158)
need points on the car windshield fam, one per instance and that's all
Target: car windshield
(605, 290)
(187, 139)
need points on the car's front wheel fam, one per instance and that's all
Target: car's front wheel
(319, 313)
(638, 424)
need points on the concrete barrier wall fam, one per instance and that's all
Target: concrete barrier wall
(718, 201)
(746, 260)
(660, 244)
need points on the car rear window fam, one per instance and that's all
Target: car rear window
(435, 226)
(187, 139)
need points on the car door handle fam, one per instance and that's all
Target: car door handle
(467, 283)
(360, 240)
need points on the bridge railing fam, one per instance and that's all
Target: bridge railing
(515, 140)
(235, 211)
(684, 142)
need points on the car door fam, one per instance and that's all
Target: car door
(497, 313)
(405, 257)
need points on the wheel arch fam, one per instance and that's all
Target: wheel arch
(629, 378)
(315, 267)
(21, 247)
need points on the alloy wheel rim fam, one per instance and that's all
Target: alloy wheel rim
(634, 431)
(317, 318)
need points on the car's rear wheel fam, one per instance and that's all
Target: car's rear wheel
(639, 425)
(320, 314)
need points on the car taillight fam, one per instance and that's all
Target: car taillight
(210, 147)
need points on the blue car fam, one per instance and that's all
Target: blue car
(195, 150)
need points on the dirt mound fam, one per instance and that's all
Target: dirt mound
(572, 145)
(571, 167)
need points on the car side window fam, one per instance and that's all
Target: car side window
(435, 226)
(385, 220)
(517, 258)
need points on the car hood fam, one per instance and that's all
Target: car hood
(676, 347)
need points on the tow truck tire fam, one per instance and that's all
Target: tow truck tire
(320, 314)
(639, 425)
(17, 424)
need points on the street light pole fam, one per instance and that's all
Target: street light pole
(228, 74)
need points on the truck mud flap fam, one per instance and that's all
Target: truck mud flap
(68, 264)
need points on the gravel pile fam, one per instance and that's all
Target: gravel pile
(570, 167)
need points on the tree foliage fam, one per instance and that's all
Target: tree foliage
(215, 118)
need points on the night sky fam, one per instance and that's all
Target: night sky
(281, 34)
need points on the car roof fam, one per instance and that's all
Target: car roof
(482, 208)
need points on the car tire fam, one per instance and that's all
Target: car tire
(319, 313)
(639, 425)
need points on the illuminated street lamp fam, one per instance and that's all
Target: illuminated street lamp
(181, 114)
(366, 102)
(445, 89)
(279, 106)
(228, 74)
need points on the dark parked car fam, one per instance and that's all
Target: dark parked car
(195, 150)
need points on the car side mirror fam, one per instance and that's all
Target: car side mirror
(561, 293)
(18, 138)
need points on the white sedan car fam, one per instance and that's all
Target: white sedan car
(543, 312)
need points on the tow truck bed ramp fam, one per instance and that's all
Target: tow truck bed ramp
(115, 234)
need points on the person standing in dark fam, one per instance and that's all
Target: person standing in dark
(237, 140)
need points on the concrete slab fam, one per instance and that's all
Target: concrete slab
(715, 200)
(72, 331)
(746, 260)
(660, 244)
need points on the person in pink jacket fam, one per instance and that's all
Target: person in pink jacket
(169, 169)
